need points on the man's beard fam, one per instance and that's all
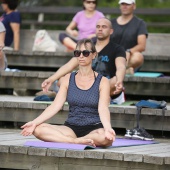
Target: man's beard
(101, 38)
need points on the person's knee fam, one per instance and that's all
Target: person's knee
(39, 130)
(136, 60)
(62, 36)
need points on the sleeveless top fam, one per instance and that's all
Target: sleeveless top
(83, 104)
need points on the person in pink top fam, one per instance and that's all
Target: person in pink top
(85, 22)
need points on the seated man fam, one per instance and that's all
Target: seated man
(3, 61)
(131, 33)
(110, 62)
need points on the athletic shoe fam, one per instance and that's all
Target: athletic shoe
(129, 133)
(141, 133)
(119, 100)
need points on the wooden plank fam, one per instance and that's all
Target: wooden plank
(55, 61)
(56, 152)
(127, 119)
(158, 158)
(47, 158)
(132, 86)
(134, 153)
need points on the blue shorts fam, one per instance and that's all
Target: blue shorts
(83, 130)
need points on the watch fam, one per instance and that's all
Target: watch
(128, 50)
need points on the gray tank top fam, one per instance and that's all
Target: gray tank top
(83, 104)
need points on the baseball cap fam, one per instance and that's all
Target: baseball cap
(127, 1)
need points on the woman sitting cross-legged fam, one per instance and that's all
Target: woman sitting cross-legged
(88, 96)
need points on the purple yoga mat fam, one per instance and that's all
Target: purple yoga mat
(119, 142)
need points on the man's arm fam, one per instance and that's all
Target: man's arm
(141, 44)
(116, 83)
(62, 71)
(120, 63)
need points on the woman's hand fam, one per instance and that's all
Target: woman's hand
(28, 128)
(46, 84)
(110, 134)
(74, 33)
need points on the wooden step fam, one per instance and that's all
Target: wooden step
(29, 80)
(24, 109)
(157, 53)
(55, 60)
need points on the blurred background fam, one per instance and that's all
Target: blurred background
(141, 4)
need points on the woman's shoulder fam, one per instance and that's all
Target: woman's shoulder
(104, 83)
(67, 77)
(80, 13)
(64, 81)
(99, 13)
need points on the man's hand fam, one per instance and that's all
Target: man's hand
(119, 87)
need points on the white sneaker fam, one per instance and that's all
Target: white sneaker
(119, 100)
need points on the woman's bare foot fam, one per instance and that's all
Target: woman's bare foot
(85, 141)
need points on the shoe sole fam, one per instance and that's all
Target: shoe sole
(142, 138)
(148, 139)
(137, 137)
(128, 136)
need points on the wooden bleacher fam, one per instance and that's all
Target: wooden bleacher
(31, 80)
(157, 54)
(24, 109)
(16, 156)
(44, 16)
(20, 109)
(157, 59)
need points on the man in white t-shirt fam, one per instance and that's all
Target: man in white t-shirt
(3, 61)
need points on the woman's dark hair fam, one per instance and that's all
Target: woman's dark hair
(87, 0)
(85, 42)
(12, 4)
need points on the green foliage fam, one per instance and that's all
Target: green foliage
(105, 3)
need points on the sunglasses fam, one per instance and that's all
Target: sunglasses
(91, 2)
(85, 53)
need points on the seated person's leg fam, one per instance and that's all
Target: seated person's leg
(68, 41)
(94, 132)
(98, 136)
(55, 133)
(3, 61)
(136, 60)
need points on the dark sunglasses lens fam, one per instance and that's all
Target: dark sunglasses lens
(89, 2)
(86, 53)
(77, 53)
